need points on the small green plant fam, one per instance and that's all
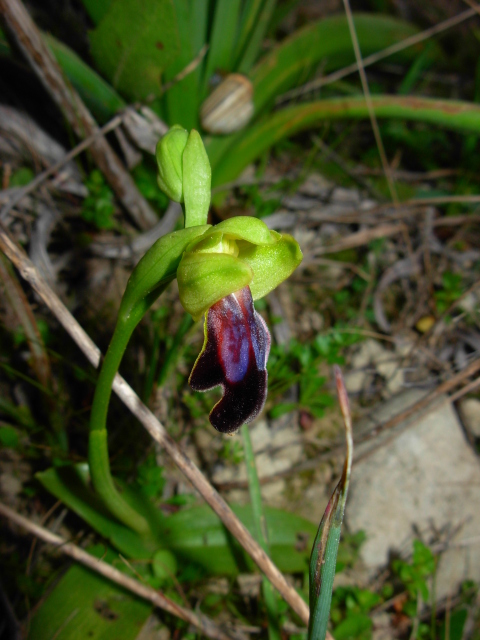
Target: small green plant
(416, 575)
(450, 292)
(350, 609)
(298, 363)
(98, 207)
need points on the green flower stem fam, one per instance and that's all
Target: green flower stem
(149, 279)
(98, 446)
(261, 533)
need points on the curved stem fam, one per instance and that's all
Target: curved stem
(149, 279)
(98, 459)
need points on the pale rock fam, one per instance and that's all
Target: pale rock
(469, 409)
(10, 487)
(421, 476)
(343, 195)
(372, 354)
(316, 186)
(153, 629)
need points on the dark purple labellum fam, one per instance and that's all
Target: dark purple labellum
(234, 355)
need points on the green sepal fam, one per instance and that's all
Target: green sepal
(270, 264)
(206, 278)
(197, 181)
(245, 228)
(157, 267)
(169, 154)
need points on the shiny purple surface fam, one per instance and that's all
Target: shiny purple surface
(234, 355)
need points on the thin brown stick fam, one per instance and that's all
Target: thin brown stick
(41, 177)
(27, 38)
(206, 626)
(421, 405)
(361, 237)
(154, 427)
(368, 99)
(191, 66)
(379, 55)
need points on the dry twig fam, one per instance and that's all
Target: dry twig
(27, 38)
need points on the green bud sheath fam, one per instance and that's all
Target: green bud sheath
(197, 180)
(169, 154)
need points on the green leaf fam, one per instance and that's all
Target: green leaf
(84, 604)
(325, 548)
(70, 485)
(222, 40)
(327, 40)
(134, 43)
(257, 36)
(451, 114)
(295, 59)
(194, 535)
(356, 626)
(249, 18)
(182, 100)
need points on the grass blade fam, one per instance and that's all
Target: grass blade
(296, 58)
(324, 553)
(100, 97)
(256, 37)
(222, 40)
(261, 535)
(250, 12)
(327, 40)
(450, 114)
(182, 101)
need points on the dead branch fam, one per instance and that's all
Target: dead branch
(27, 38)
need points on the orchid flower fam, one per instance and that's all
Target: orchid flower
(220, 270)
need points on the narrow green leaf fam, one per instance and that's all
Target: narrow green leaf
(329, 41)
(222, 40)
(182, 100)
(325, 548)
(69, 484)
(195, 535)
(450, 114)
(248, 19)
(134, 43)
(84, 604)
(257, 36)
(295, 59)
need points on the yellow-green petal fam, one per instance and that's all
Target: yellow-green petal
(270, 264)
(206, 278)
